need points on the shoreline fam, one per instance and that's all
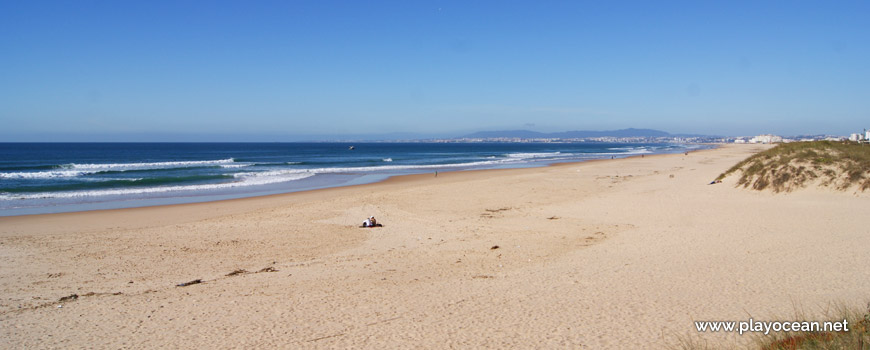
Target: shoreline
(609, 255)
(385, 180)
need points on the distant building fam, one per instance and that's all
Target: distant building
(766, 139)
(867, 135)
(739, 141)
(856, 137)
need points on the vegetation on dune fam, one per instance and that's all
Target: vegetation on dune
(858, 336)
(790, 166)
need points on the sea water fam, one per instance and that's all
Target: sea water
(59, 177)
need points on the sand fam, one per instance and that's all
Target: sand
(610, 254)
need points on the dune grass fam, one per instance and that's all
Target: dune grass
(857, 338)
(790, 166)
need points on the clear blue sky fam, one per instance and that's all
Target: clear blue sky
(248, 69)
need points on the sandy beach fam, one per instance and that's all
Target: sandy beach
(611, 254)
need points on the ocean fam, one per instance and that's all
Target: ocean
(60, 177)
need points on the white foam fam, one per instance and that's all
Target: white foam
(75, 170)
(638, 151)
(234, 166)
(143, 166)
(629, 150)
(402, 167)
(44, 174)
(533, 155)
(244, 181)
(388, 159)
(366, 169)
(104, 179)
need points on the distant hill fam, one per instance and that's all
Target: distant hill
(526, 134)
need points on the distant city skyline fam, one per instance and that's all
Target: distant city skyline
(283, 71)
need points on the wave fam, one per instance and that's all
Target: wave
(534, 155)
(388, 159)
(238, 164)
(629, 150)
(641, 150)
(511, 158)
(139, 185)
(242, 182)
(44, 174)
(114, 183)
(366, 169)
(155, 170)
(77, 170)
(268, 163)
(107, 179)
(142, 166)
(28, 167)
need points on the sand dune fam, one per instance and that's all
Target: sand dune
(608, 254)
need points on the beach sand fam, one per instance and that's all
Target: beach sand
(611, 254)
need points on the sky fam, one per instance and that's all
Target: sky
(279, 70)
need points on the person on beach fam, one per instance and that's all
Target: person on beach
(370, 222)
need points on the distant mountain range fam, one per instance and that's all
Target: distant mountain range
(526, 134)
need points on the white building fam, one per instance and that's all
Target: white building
(766, 139)
(856, 137)
(867, 134)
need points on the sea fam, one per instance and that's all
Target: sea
(38, 178)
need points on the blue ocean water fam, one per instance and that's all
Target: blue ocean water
(59, 177)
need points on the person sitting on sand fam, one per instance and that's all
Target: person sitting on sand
(371, 222)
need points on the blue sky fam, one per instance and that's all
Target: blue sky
(79, 70)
